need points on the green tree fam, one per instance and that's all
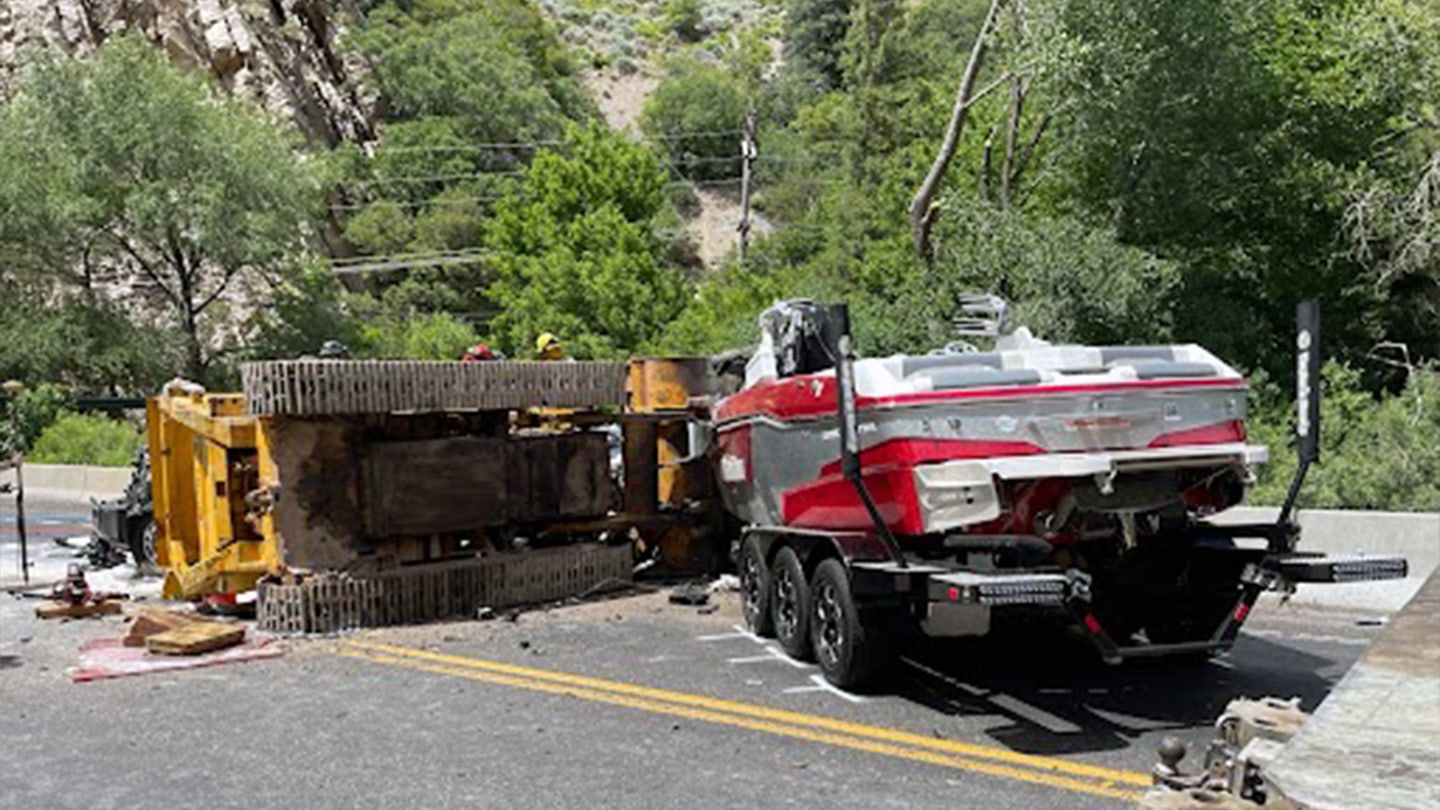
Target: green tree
(26, 415)
(1229, 134)
(685, 18)
(576, 251)
(307, 307)
(126, 167)
(695, 115)
(85, 346)
(496, 68)
(1068, 282)
(815, 33)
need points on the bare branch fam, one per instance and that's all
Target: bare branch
(921, 219)
(985, 156)
(1034, 142)
(219, 290)
(1012, 134)
(145, 266)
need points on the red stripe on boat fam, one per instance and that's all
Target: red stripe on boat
(1221, 433)
(832, 503)
(907, 452)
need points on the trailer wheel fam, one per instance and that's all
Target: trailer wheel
(142, 546)
(852, 647)
(755, 588)
(790, 604)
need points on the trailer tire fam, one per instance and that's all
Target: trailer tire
(142, 546)
(853, 647)
(755, 588)
(790, 604)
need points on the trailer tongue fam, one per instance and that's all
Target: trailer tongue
(927, 492)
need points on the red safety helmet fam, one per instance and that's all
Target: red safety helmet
(477, 353)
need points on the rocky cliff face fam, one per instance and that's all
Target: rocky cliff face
(281, 53)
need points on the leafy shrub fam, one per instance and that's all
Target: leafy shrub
(430, 336)
(695, 114)
(685, 19)
(1376, 453)
(24, 418)
(88, 439)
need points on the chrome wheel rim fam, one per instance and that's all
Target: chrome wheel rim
(829, 630)
(148, 541)
(750, 588)
(787, 609)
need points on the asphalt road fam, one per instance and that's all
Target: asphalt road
(629, 703)
(46, 518)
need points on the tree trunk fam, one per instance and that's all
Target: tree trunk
(189, 326)
(922, 218)
(1012, 134)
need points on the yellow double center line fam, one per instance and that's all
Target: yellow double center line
(1058, 773)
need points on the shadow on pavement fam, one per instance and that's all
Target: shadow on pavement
(1062, 699)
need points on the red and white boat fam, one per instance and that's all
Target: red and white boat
(1011, 440)
(939, 487)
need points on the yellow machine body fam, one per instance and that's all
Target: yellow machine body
(208, 459)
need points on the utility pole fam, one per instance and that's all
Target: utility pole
(16, 461)
(748, 152)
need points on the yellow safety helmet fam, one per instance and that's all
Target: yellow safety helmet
(549, 347)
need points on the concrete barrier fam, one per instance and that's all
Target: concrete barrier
(1415, 535)
(71, 481)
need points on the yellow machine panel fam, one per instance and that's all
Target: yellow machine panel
(215, 533)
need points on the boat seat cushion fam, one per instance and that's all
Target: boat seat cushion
(945, 379)
(1162, 370)
(911, 365)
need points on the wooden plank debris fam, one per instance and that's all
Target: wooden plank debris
(153, 621)
(195, 638)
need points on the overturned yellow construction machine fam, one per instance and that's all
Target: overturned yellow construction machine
(364, 493)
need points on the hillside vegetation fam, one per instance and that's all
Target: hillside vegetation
(1128, 171)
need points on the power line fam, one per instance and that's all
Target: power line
(437, 178)
(469, 198)
(686, 136)
(501, 146)
(461, 147)
(385, 265)
(416, 204)
(419, 254)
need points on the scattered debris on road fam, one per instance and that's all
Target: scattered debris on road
(196, 638)
(691, 593)
(71, 598)
(65, 610)
(109, 658)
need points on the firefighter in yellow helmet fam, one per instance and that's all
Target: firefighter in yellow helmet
(549, 347)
